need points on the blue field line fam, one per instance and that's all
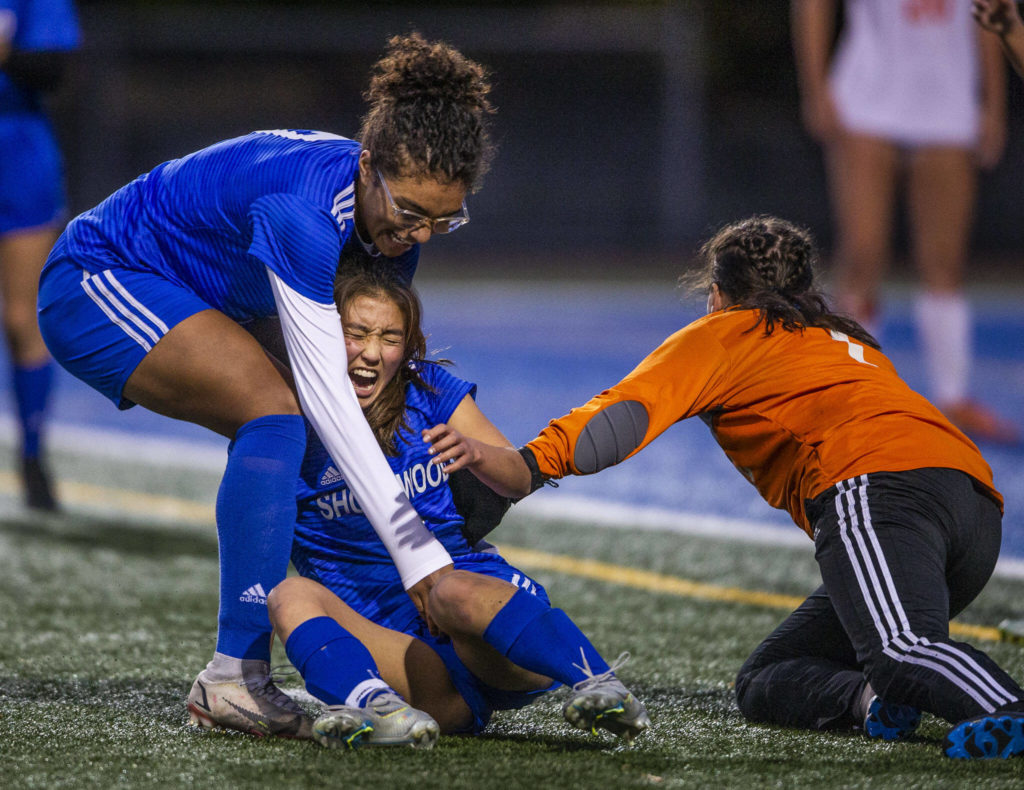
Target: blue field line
(538, 349)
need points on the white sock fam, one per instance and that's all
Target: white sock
(224, 667)
(357, 697)
(944, 330)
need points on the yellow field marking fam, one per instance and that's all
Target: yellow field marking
(674, 585)
(167, 507)
(135, 503)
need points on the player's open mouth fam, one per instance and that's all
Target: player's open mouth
(406, 242)
(363, 380)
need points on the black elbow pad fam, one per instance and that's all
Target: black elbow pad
(610, 435)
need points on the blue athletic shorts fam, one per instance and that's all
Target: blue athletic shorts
(99, 325)
(31, 173)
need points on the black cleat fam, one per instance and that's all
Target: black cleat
(35, 482)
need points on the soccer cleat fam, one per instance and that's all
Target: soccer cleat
(890, 721)
(994, 735)
(396, 723)
(252, 704)
(386, 720)
(342, 727)
(35, 483)
(602, 701)
(981, 424)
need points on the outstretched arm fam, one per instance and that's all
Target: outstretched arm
(1002, 18)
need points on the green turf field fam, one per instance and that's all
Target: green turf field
(107, 615)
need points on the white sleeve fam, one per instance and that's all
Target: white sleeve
(316, 349)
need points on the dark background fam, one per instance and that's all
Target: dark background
(627, 131)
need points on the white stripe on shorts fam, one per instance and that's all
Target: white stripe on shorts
(96, 286)
(879, 592)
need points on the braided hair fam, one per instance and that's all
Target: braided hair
(428, 113)
(767, 264)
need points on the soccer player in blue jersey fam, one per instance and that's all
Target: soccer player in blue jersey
(36, 38)
(491, 639)
(145, 297)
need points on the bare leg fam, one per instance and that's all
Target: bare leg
(209, 371)
(22, 255)
(941, 190)
(941, 195)
(863, 178)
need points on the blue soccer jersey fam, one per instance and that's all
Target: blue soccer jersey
(253, 226)
(215, 220)
(334, 541)
(33, 26)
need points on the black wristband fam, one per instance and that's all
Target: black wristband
(537, 480)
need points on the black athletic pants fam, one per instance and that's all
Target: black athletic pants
(900, 553)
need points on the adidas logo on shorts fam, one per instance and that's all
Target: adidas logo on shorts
(254, 594)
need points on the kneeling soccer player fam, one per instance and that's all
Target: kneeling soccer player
(901, 506)
(488, 639)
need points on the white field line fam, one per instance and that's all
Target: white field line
(196, 456)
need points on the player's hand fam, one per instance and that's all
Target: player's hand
(420, 594)
(996, 16)
(450, 449)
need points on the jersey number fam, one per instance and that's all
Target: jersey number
(856, 350)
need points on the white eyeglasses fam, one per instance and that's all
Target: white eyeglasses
(411, 220)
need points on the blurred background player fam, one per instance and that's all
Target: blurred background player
(491, 639)
(900, 504)
(915, 91)
(36, 38)
(1002, 17)
(144, 296)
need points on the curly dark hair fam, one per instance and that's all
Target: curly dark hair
(386, 415)
(767, 264)
(428, 113)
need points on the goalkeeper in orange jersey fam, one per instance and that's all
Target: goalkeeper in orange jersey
(900, 504)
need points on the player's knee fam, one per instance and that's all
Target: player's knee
(455, 601)
(883, 673)
(748, 700)
(287, 594)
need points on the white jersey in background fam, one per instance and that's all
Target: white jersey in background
(908, 71)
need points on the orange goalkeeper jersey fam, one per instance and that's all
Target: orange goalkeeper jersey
(795, 412)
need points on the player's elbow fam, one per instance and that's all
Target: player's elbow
(609, 436)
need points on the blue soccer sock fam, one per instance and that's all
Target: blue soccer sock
(255, 524)
(32, 392)
(337, 667)
(530, 634)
